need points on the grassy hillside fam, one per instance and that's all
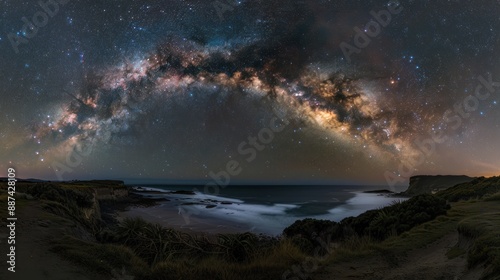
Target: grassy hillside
(478, 188)
(474, 217)
(143, 250)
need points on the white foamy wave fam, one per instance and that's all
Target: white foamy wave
(149, 189)
(201, 196)
(262, 218)
(270, 219)
(361, 203)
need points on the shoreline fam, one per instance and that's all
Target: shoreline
(140, 204)
(172, 219)
(221, 215)
(429, 226)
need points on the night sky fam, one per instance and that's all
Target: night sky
(172, 90)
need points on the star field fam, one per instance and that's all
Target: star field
(168, 90)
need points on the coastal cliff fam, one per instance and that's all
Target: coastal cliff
(432, 184)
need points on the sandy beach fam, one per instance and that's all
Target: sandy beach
(195, 212)
(168, 216)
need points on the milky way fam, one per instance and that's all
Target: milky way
(192, 75)
(112, 101)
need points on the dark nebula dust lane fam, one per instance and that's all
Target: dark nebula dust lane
(169, 90)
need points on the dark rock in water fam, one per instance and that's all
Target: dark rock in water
(378, 191)
(189, 203)
(211, 206)
(183, 192)
(226, 202)
(160, 199)
(148, 191)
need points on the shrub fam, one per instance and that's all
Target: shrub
(478, 188)
(408, 214)
(101, 258)
(238, 247)
(308, 233)
(398, 218)
(55, 193)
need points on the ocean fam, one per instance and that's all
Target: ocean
(258, 209)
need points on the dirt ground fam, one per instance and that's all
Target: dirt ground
(430, 262)
(33, 258)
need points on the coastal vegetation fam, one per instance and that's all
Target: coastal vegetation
(476, 189)
(133, 247)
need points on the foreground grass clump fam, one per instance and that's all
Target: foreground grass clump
(269, 265)
(149, 251)
(308, 233)
(77, 204)
(188, 256)
(155, 243)
(105, 259)
(493, 197)
(484, 231)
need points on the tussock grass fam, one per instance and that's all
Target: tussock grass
(484, 230)
(150, 251)
(477, 220)
(101, 258)
(270, 266)
(493, 197)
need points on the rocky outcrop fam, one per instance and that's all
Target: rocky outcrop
(433, 184)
